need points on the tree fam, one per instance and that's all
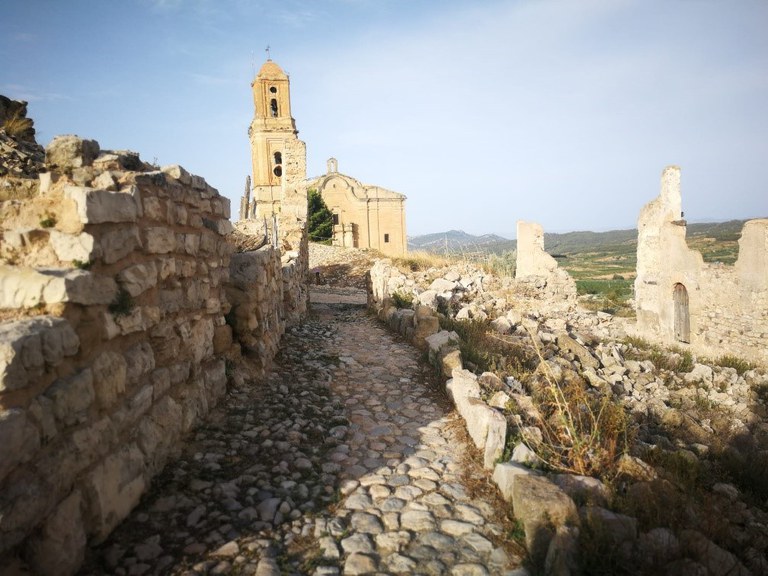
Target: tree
(320, 219)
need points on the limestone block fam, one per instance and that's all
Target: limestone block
(542, 507)
(155, 209)
(140, 360)
(462, 386)
(178, 173)
(442, 285)
(216, 379)
(504, 475)
(612, 528)
(105, 181)
(159, 240)
(450, 362)
(93, 442)
(112, 490)
(222, 339)
(425, 327)
(138, 278)
(58, 548)
(117, 242)
(69, 151)
(428, 298)
(220, 225)
(99, 206)
(495, 439)
(72, 397)
(71, 247)
(40, 411)
(109, 377)
(191, 244)
(158, 431)
(565, 342)
(440, 342)
(29, 347)
(20, 439)
(26, 287)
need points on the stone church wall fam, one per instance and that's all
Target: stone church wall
(727, 306)
(114, 285)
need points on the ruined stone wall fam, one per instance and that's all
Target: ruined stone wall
(536, 267)
(113, 296)
(727, 308)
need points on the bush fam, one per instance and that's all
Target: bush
(402, 300)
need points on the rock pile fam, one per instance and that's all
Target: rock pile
(700, 429)
(20, 155)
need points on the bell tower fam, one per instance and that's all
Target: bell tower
(270, 133)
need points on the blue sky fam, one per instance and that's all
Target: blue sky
(563, 112)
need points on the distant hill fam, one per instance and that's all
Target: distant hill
(716, 241)
(458, 241)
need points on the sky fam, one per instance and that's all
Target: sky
(563, 112)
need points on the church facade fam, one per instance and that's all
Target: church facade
(364, 216)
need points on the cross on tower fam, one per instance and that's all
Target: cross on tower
(267, 51)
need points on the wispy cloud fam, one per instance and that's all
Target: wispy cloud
(19, 92)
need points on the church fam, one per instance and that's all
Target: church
(364, 216)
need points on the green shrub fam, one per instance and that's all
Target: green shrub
(319, 218)
(123, 303)
(402, 300)
(739, 364)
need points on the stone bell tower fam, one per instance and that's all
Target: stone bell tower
(273, 138)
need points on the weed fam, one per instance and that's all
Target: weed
(82, 265)
(418, 261)
(739, 364)
(17, 126)
(123, 303)
(583, 432)
(402, 300)
(48, 222)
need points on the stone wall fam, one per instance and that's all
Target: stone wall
(114, 285)
(721, 309)
(538, 268)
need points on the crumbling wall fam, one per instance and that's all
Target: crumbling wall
(538, 268)
(113, 296)
(720, 309)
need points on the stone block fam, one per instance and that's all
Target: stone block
(505, 474)
(20, 439)
(611, 528)
(178, 173)
(69, 151)
(462, 386)
(426, 326)
(71, 247)
(72, 397)
(541, 507)
(158, 431)
(565, 342)
(140, 360)
(117, 242)
(159, 240)
(112, 490)
(138, 278)
(58, 548)
(40, 411)
(100, 206)
(29, 347)
(439, 342)
(27, 287)
(222, 339)
(450, 362)
(109, 377)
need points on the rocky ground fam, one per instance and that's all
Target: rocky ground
(337, 266)
(346, 460)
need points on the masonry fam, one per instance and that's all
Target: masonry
(122, 304)
(714, 308)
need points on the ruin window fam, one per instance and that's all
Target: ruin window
(273, 107)
(335, 219)
(273, 89)
(278, 158)
(278, 171)
(681, 314)
(386, 238)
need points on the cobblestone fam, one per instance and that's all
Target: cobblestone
(344, 460)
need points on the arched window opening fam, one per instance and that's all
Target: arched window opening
(278, 171)
(278, 158)
(273, 107)
(681, 313)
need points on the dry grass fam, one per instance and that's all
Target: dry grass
(17, 126)
(418, 261)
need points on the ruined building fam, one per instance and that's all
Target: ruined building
(715, 308)
(364, 216)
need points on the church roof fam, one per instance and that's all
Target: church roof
(271, 70)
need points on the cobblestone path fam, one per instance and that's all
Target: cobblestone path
(346, 460)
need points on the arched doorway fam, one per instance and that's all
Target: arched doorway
(682, 314)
